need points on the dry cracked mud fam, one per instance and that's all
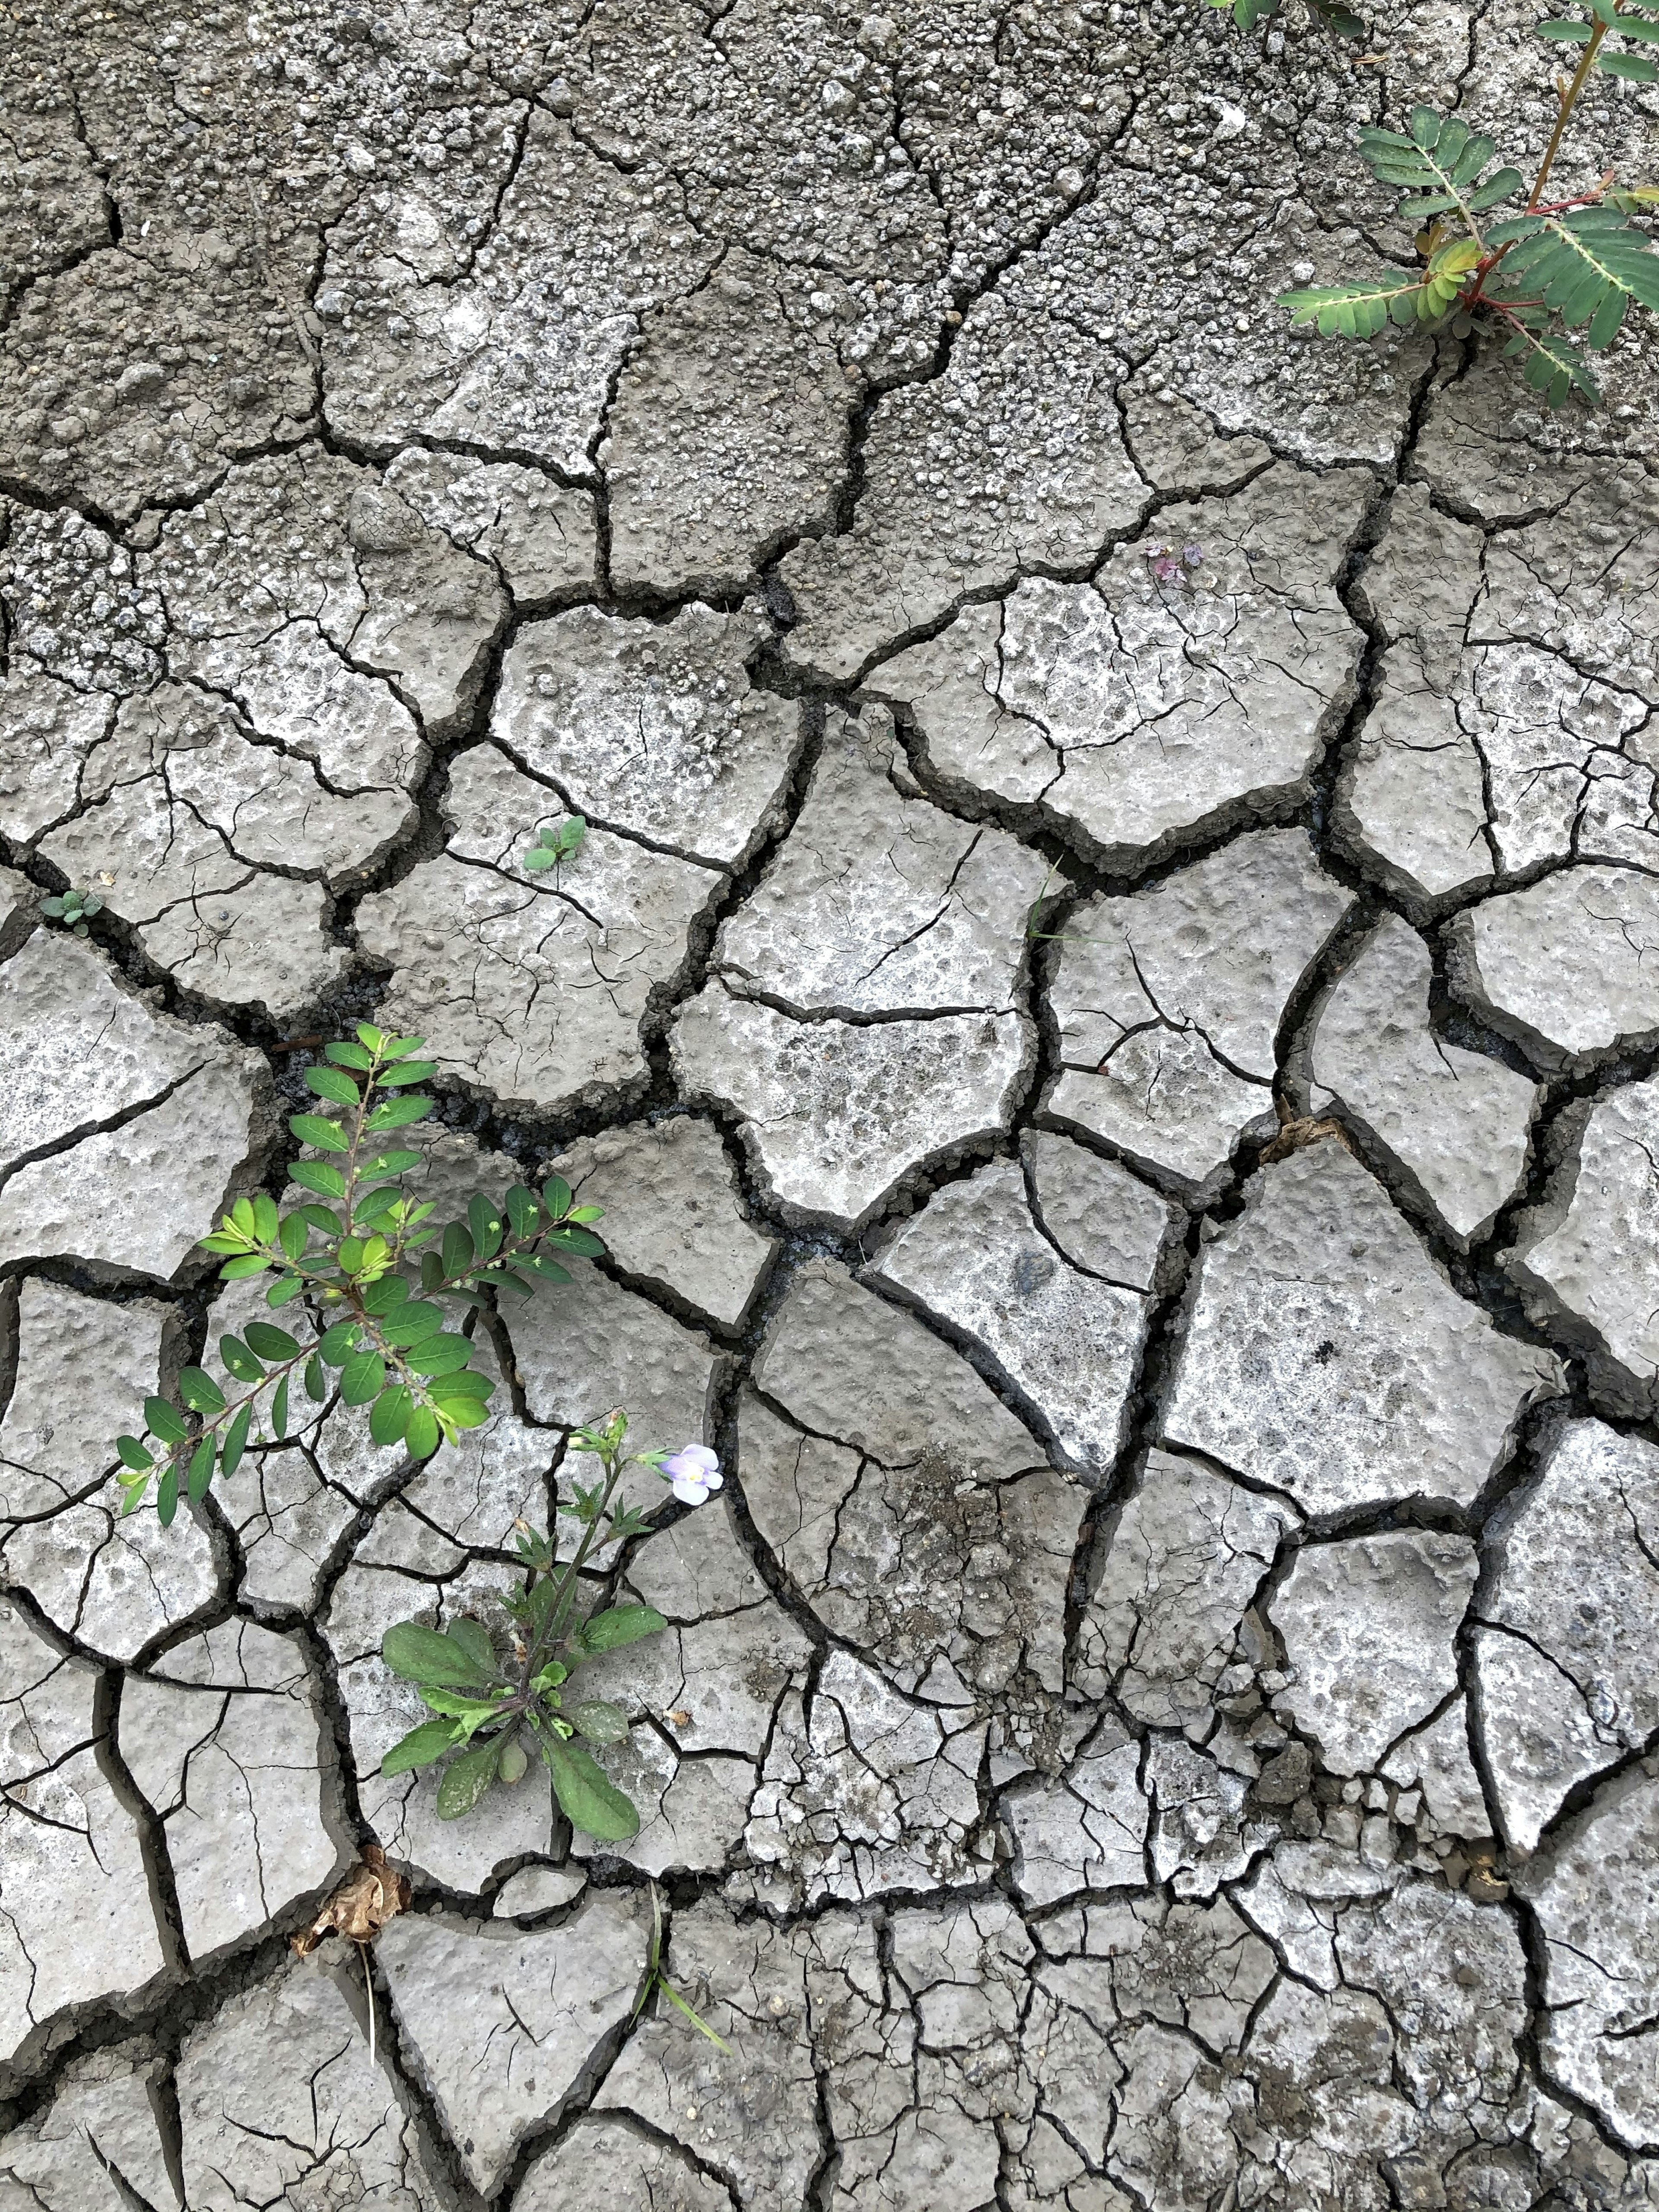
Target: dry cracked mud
(1111, 998)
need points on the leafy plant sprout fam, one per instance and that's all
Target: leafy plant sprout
(560, 842)
(74, 910)
(1567, 264)
(488, 1705)
(358, 1261)
(1247, 13)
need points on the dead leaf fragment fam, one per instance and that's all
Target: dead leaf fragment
(371, 1894)
(1295, 1135)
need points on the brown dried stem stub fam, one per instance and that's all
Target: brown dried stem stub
(371, 1894)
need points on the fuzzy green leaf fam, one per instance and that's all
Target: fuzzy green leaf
(590, 1800)
(430, 1741)
(466, 1781)
(598, 1720)
(429, 1655)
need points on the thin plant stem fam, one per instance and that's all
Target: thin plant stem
(1569, 101)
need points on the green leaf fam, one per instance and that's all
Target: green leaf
(383, 1299)
(1635, 69)
(265, 1218)
(413, 1323)
(390, 1164)
(332, 1083)
(457, 1250)
(235, 1441)
(581, 1244)
(200, 1391)
(467, 1781)
(484, 1220)
(201, 1470)
(549, 1270)
(350, 1056)
(590, 1800)
(412, 1070)
(1350, 310)
(316, 1381)
(167, 1494)
(474, 1637)
(1425, 127)
(323, 1218)
(429, 1655)
(312, 1129)
(398, 1113)
(438, 1355)
(538, 857)
(463, 1383)
(598, 1721)
(621, 1624)
(317, 1175)
(270, 1343)
(361, 1377)
(1576, 35)
(279, 1409)
(368, 1035)
(132, 1453)
(163, 1420)
(521, 1210)
(286, 1287)
(421, 1436)
(555, 1197)
(457, 1413)
(239, 1361)
(293, 1238)
(237, 1271)
(430, 1741)
(336, 1345)
(1502, 185)
(388, 1416)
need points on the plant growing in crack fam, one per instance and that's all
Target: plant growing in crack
(557, 841)
(74, 910)
(490, 1704)
(1568, 264)
(1247, 13)
(370, 1265)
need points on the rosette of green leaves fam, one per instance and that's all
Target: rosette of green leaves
(74, 910)
(489, 1715)
(377, 1282)
(557, 843)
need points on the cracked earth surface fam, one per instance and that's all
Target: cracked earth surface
(1162, 1718)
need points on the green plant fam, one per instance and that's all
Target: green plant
(369, 1266)
(555, 844)
(1247, 13)
(488, 1703)
(1570, 264)
(74, 910)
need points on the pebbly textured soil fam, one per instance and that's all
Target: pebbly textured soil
(1163, 1715)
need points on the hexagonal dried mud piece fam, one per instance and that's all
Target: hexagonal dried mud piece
(947, 509)
(224, 1741)
(1326, 1354)
(907, 1507)
(638, 2168)
(836, 1115)
(1084, 1829)
(1565, 1687)
(652, 728)
(1583, 1258)
(1568, 966)
(532, 985)
(1369, 1626)
(1140, 710)
(1182, 1561)
(277, 2099)
(1069, 1343)
(1455, 1121)
(514, 347)
(864, 1791)
(1595, 1894)
(671, 1212)
(100, 2122)
(540, 534)
(1168, 1001)
(880, 902)
(1103, 1219)
(72, 1849)
(535, 2003)
(122, 1130)
(728, 430)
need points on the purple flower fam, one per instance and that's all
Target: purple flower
(1192, 555)
(693, 1471)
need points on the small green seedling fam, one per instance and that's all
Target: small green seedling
(74, 910)
(561, 841)
(1570, 264)
(376, 1283)
(1247, 13)
(495, 1707)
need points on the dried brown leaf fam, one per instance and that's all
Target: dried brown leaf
(371, 1894)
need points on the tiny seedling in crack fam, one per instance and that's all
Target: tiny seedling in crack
(1247, 13)
(74, 910)
(655, 1978)
(374, 1279)
(557, 841)
(1572, 265)
(490, 1703)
